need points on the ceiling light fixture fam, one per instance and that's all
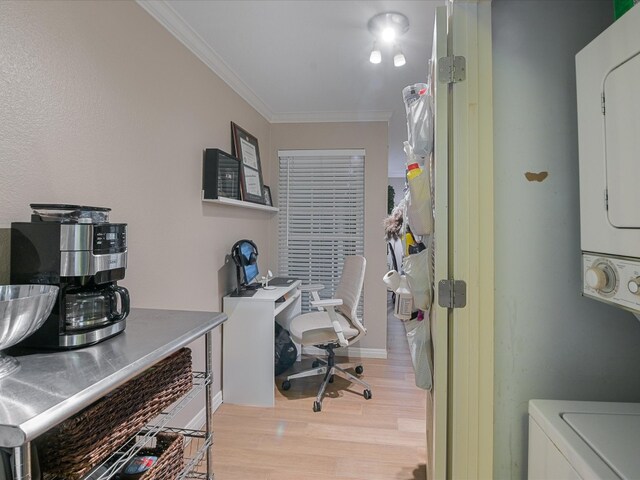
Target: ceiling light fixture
(398, 57)
(388, 34)
(376, 54)
(387, 27)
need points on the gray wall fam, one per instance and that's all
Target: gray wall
(550, 342)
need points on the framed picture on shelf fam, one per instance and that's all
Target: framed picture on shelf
(246, 149)
(266, 193)
(220, 175)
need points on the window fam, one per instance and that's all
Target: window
(321, 218)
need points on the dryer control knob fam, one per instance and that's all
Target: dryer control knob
(634, 286)
(596, 278)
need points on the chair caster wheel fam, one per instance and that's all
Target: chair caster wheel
(359, 369)
(317, 406)
(315, 364)
(367, 394)
(286, 385)
(331, 379)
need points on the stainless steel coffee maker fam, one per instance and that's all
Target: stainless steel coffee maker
(76, 248)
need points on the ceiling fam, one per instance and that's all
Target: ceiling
(307, 60)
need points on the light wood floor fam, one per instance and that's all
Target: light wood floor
(351, 438)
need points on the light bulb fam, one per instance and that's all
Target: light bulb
(376, 55)
(398, 58)
(388, 34)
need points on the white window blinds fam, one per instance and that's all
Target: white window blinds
(321, 218)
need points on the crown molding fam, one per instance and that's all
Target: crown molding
(164, 14)
(331, 117)
(179, 28)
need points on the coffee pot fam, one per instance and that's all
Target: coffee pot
(93, 308)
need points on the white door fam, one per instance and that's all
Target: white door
(437, 400)
(462, 445)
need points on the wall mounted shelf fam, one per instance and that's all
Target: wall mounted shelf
(232, 202)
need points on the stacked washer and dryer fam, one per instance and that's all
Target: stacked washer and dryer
(598, 440)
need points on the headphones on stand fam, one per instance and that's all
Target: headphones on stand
(241, 260)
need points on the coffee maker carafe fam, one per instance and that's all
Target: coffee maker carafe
(96, 307)
(77, 249)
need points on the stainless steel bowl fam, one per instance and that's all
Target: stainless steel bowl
(23, 310)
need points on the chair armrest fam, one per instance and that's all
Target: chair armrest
(329, 302)
(312, 287)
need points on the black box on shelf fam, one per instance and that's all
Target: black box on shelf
(220, 175)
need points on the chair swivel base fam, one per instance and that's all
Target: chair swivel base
(329, 369)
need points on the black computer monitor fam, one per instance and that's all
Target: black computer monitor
(249, 270)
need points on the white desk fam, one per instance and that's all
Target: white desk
(248, 343)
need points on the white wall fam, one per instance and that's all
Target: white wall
(550, 342)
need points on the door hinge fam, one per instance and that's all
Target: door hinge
(452, 293)
(602, 104)
(452, 69)
(606, 200)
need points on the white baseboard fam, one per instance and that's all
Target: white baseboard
(197, 422)
(356, 352)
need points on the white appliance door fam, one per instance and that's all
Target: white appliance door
(622, 143)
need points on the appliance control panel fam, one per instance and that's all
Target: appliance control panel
(613, 280)
(109, 238)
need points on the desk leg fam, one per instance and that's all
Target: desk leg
(22, 462)
(208, 346)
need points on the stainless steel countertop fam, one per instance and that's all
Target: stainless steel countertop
(50, 387)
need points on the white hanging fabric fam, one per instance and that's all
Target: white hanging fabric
(418, 266)
(418, 273)
(419, 210)
(418, 106)
(420, 347)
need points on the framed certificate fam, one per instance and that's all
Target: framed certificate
(246, 150)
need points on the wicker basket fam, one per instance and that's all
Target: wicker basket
(82, 442)
(170, 452)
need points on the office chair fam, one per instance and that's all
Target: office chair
(334, 325)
